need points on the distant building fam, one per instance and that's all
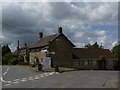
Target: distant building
(22, 53)
(64, 54)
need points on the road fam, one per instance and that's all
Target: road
(26, 77)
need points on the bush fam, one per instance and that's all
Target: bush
(7, 58)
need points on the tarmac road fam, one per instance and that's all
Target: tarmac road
(25, 77)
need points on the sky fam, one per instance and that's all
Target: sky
(82, 22)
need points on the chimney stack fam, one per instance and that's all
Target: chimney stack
(40, 35)
(25, 45)
(59, 30)
(18, 45)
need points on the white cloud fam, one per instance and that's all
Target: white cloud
(76, 19)
(113, 44)
(13, 46)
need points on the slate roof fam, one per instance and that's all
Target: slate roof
(43, 41)
(92, 53)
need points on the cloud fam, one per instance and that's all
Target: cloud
(23, 21)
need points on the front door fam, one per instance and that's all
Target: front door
(102, 63)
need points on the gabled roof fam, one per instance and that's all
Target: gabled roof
(43, 41)
(65, 38)
(92, 53)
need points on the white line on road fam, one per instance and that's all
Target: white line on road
(9, 81)
(36, 78)
(42, 76)
(6, 71)
(15, 82)
(2, 79)
(7, 84)
(23, 80)
(29, 78)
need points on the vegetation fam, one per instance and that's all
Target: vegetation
(8, 58)
(116, 52)
(95, 45)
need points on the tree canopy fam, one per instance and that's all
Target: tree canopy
(95, 45)
(116, 50)
(5, 50)
(7, 56)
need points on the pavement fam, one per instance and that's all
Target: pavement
(26, 77)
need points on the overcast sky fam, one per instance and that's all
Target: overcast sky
(82, 22)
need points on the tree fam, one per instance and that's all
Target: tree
(95, 45)
(116, 52)
(88, 45)
(5, 50)
(7, 56)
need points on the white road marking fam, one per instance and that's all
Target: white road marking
(7, 84)
(42, 76)
(15, 82)
(2, 80)
(56, 72)
(7, 69)
(46, 75)
(29, 78)
(23, 80)
(9, 81)
(36, 78)
(4, 73)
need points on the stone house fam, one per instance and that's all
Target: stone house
(23, 53)
(56, 46)
(63, 53)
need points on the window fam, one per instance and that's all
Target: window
(76, 62)
(79, 62)
(94, 63)
(109, 62)
(85, 62)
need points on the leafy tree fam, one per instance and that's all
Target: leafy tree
(5, 50)
(95, 45)
(88, 45)
(7, 56)
(116, 52)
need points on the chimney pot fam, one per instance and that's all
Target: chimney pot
(59, 30)
(40, 35)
